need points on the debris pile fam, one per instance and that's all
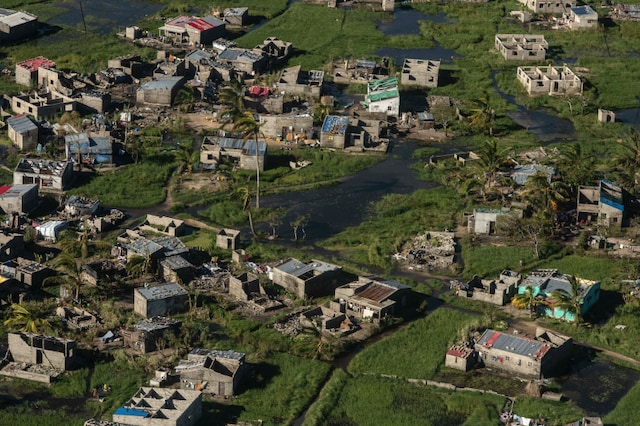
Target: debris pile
(431, 250)
(291, 327)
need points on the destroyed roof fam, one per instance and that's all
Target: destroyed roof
(237, 54)
(230, 354)
(155, 324)
(492, 339)
(335, 124)
(611, 195)
(176, 262)
(162, 291)
(383, 89)
(37, 165)
(35, 63)
(583, 10)
(172, 245)
(87, 145)
(305, 270)
(21, 123)
(143, 247)
(460, 351)
(235, 11)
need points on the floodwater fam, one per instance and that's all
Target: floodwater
(546, 127)
(629, 116)
(104, 16)
(406, 21)
(597, 386)
(436, 53)
(335, 208)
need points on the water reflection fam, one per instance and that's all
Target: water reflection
(407, 21)
(436, 53)
(104, 16)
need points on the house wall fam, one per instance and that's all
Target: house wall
(520, 365)
(45, 181)
(457, 363)
(555, 7)
(248, 162)
(158, 307)
(388, 106)
(272, 125)
(62, 357)
(331, 140)
(549, 80)
(41, 107)
(25, 140)
(583, 21)
(20, 204)
(18, 32)
(25, 76)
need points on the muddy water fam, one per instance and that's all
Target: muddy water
(406, 21)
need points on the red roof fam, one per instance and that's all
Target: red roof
(200, 24)
(4, 188)
(492, 339)
(35, 63)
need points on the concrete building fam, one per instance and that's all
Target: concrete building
(383, 97)
(288, 127)
(91, 149)
(176, 268)
(370, 299)
(94, 101)
(145, 335)
(212, 371)
(546, 282)
(32, 348)
(23, 132)
(549, 80)
(334, 131)
(498, 292)
(43, 105)
(246, 62)
(236, 16)
(583, 17)
(460, 357)
(603, 205)
(166, 225)
(161, 407)
(20, 199)
(522, 47)
(541, 357)
(244, 286)
(483, 221)
(31, 273)
(27, 71)
(228, 238)
(546, 7)
(77, 205)
(240, 151)
(159, 300)
(420, 72)
(160, 92)
(311, 279)
(522, 172)
(131, 65)
(274, 50)
(17, 25)
(294, 80)
(48, 175)
(193, 30)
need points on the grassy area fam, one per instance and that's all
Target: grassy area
(626, 412)
(396, 219)
(120, 188)
(282, 387)
(412, 358)
(554, 413)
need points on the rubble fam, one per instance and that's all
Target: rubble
(431, 250)
(291, 327)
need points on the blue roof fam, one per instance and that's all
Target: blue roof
(335, 124)
(583, 10)
(137, 412)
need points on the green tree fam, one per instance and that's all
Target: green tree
(570, 302)
(526, 300)
(627, 163)
(576, 167)
(25, 320)
(185, 158)
(491, 158)
(69, 269)
(300, 223)
(185, 99)
(232, 97)
(482, 116)
(250, 127)
(544, 195)
(245, 196)
(443, 114)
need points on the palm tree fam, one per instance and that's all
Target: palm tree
(70, 272)
(576, 166)
(245, 196)
(232, 97)
(627, 164)
(544, 195)
(570, 303)
(526, 300)
(249, 127)
(26, 320)
(185, 99)
(185, 158)
(482, 116)
(491, 158)
(138, 266)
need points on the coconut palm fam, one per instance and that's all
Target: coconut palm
(570, 302)
(526, 300)
(576, 166)
(542, 194)
(245, 195)
(482, 116)
(627, 164)
(491, 157)
(25, 320)
(138, 266)
(250, 127)
(69, 268)
(232, 97)
(185, 158)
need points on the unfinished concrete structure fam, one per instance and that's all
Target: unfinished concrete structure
(583, 17)
(163, 225)
(294, 80)
(540, 357)
(42, 105)
(216, 148)
(27, 71)
(522, 47)
(483, 221)
(606, 116)
(159, 300)
(145, 335)
(383, 97)
(16, 25)
(32, 348)
(460, 357)
(176, 268)
(545, 7)
(236, 16)
(212, 371)
(333, 133)
(311, 279)
(31, 273)
(420, 72)
(245, 286)
(327, 320)
(246, 62)
(550, 80)
(274, 50)
(23, 132)
(18, 198)
(498, 292)
(48, 175)
(228, 238)
(161, 407)
(370, 299)
(193, 30)
(602, 204)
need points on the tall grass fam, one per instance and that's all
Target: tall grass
(626, 412)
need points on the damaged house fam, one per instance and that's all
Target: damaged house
(27, 71)
(88, 148)
(161, 407)
(23, 132)
(311, 279)
(383, 97)
(215, 148)
(193, 30)
(295, 81)
(212, 371)
(145, 335)
(159, 92)
(546, 7)
(549, 80)
(603, 204)
(498, 292)
(159, 300)
(522, 47)
(420, 72)
(20, 199)
(540, 357)
(373, 299)
(49, 175)
(483, 221)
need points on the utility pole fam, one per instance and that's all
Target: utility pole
(82, 13)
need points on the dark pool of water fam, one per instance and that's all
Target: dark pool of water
(436, 53)
(333, 209)
(629, 116)
(597, 386)
(545, 126)
(406, 21)
(104, 16)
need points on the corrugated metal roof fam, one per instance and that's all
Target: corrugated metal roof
(163, 291)
(164, 83)
(21, 124)
(513, 344)
(335, 124)
(17, 18)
